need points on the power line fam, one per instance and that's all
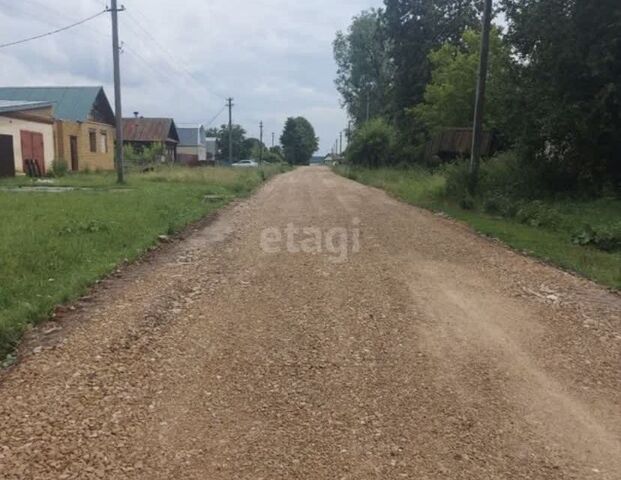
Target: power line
(36, 37)
(171, 59)
(216, 116)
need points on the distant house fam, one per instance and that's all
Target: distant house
(83, 123)
(26, 137)
(192, 149)
(143, 132)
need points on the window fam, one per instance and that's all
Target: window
(92, 139)
(104, 141)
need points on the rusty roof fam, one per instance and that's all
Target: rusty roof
(150, 130)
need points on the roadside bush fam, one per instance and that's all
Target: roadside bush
(606, 238)
(141, 157)
(506, 175)
(538, 214)
(372, 145)
(456, 180)
(505, 183)
(59, 168)
(499, 204)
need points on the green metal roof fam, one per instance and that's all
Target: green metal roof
(70, 103)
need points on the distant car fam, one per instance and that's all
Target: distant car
(245, 164)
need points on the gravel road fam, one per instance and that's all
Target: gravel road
(379, 341)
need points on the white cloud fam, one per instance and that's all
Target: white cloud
(273, 56)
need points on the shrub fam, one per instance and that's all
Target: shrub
(607, 238)
(538, 214)
(372, 145)
(141, 157)
(59, 167)
(502, 205)
(506, 175)
(456, 180)
(505, 183)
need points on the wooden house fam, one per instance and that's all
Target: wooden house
(143, 132)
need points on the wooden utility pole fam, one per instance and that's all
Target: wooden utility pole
(229, 103)
(261, 142)
(477, 130)
(118, 110)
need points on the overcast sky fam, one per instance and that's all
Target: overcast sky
(183, 58)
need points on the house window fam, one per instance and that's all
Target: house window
(92, 139)
(104, 141)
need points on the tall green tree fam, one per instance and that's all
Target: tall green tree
(298, 141)
(570, 89)
(449, 97)
(222, 135)
(414, 28)
(364, 69)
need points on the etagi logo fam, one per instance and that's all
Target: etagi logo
(338, 242)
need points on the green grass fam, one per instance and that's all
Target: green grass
(53, 246)
(552, 243)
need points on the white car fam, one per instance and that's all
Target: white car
(245, 164)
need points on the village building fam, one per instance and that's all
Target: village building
(84, 125)
(26, 137)
(193, 146)
(140, 132)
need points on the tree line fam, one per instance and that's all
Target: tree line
(297, 143)
(408, 70)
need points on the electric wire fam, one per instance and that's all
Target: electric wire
(58, 30)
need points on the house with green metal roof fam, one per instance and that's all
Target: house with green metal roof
(84, 125)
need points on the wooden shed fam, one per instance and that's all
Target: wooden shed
(456, 142)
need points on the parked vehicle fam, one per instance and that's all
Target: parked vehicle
(245, 164)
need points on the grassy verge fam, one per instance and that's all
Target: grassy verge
(552, 242)
(53, 245)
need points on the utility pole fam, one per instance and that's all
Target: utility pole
(118, 110)
(261, 142)
(477, 130)
(229, 103)
(273, 138)
(341, 142)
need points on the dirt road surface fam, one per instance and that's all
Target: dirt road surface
(424, 352)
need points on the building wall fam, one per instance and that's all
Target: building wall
(101, 159)
(13, 126)
(198, 150)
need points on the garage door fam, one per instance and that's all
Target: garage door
(32, 149)
(7, 158)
